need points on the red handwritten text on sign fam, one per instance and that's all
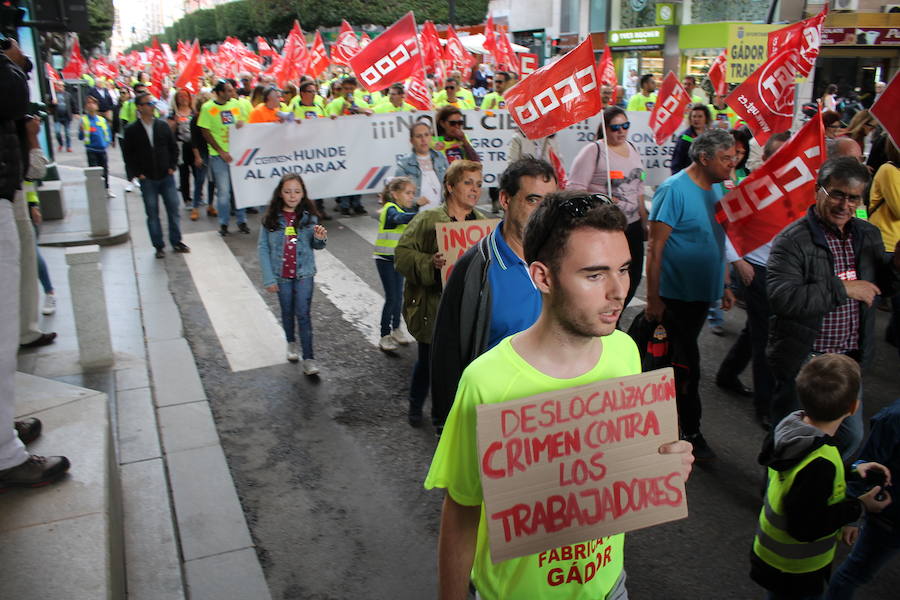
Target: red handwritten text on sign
(457, 237)
(568, 466)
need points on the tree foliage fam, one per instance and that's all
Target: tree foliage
(101, 15)
(245, 19)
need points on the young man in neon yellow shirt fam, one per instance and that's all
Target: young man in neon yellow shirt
(395, 102)
(578, 259)
(502, 82)
(304, 105)
(723, 116)
(646, 97)
(453, 96)
(217, 117)
(347, 103)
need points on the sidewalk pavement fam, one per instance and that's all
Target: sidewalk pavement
(149, 509)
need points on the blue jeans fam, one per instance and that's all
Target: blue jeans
(715, 317)
(295, 297)
(43, 274)
(349, 202)
(199, 178)
(874, 548)
(62, 126)
(221, 174)
(151, 189)
(393, 295)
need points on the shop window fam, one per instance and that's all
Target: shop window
(568, 18)
(598, 12)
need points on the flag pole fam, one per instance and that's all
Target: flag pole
(606, 143)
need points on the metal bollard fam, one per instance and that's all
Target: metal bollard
(97, 201)
(89, 306)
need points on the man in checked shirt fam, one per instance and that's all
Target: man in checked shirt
(824, 272)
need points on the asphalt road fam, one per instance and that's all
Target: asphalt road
(330, 474)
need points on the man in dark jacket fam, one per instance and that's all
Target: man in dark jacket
(489, 295)
(151, 155)
(823, 273)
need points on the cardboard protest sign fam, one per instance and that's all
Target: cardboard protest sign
(579, 464)
(455, 238)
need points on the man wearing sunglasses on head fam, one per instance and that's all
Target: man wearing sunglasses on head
(578, 259)
(822, 277)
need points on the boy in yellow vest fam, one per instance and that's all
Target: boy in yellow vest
(95, 132)
(806, 506)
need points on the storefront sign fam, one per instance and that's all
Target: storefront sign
(637, 39)
(747, 45)
(858, 36)
(665, 13)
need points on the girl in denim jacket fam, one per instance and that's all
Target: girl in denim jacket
(290, 232)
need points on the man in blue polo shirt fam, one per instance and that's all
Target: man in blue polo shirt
(489, 295)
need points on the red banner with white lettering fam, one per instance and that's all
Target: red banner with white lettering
(456, 55)
(76, 65)
(606, 72)
(417, 92)
(391, 57)
(886, 110)
(777, 193)
(765, 100)
(430, 45)
(717, 74)
(192, 72)
(510, 61)
(263, 47)
(668, 111)
(346, 46)
(318, 58)
(556, 95)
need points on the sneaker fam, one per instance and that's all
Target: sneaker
(400, 337)
(68, 149)
(129, 187)
(181, 248)
(702, 451)
(223, 230)
(211, 211)
(360, 210)
(345, 212)
(388, 343)
(415, 419)
(160, 253)
(252, 210)
(34, 472)
(309, 367)
(49, 305)
(109, 194)
(293, 355)
(28, 429)
(195, 214)
(42, 340)
(243, 228)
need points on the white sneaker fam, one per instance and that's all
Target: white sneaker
(109, 194)
(309, 367)
(292, 354)
(400, 337)
(49, 305)
(129, 187)
(388, 343)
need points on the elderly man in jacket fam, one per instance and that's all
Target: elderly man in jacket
(823, 274)
(151, 155)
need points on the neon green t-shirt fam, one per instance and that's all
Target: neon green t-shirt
(218, 119)
(246, 107)
(386, 107)
(305, 112)
(493, 100)
(726, 115)
(464, 93)
(641, 102)
(498, 375)
(366, 98)
(340, 106)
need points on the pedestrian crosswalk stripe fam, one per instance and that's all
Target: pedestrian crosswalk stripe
(248, 332)
(359, 304)
(365, 227)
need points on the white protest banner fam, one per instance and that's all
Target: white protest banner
(579, 464)
(456, 237)
(357, 154)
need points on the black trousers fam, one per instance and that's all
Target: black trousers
(99, 159)
(634, 233)
(687, 319)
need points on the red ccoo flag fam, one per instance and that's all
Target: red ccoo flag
(263, 47)
(391, 57)
(318, 58)
(192, 72)
(417, 92)
(430, 45)
(717, 74)
(456, 55)
(886, 110)
(777, 193)
(346, 46)
(668, 112)
(76, 66)
(556, 95)
(606, 72)
(765, 100)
